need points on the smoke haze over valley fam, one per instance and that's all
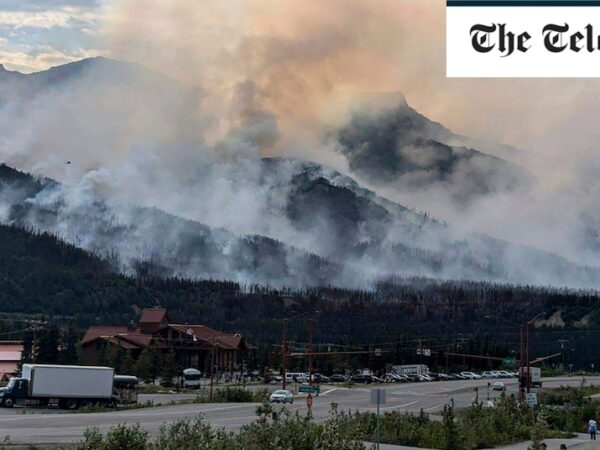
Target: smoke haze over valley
(275, 157)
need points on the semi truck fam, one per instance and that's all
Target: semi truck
(60, 386)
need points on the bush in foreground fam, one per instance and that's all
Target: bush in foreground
(272, 431)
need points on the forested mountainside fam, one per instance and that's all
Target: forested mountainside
(142, 181)
(318, 227)
(41, 276)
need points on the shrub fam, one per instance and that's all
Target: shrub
(121, 437)
(270, 431)
(240, 395)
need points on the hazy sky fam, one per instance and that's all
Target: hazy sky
(309, 54)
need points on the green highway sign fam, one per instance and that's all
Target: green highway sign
(508, 362)
(310, 389)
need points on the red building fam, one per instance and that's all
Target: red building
(10, 355)
(193, 345)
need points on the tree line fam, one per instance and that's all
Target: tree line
(41, 276)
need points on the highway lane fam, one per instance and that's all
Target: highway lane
(44, 426)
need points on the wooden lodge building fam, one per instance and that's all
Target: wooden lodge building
(194, 345)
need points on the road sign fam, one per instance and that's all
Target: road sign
(309, 401)
(531, 399)
(509, 362)
(424, 351)
(378, 398)
(310, 389)
(378, 353)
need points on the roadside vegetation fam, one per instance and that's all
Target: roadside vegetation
(271, 431)
(561, 413)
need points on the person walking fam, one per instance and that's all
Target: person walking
(592, 429)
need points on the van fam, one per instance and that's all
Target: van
(299, 377)
(192, 378)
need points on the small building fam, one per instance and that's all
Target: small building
(10, 355)
(194, 345)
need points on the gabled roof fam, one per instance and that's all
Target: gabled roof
(133, 338)
(94, 332)
(121, 342)
(212, 337)
(154, 315)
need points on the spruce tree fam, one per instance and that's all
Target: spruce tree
(28, 350)
(128, 364)
(156, 359)
(143, 366)
(69, 354)
(47, 351)
(170, 369)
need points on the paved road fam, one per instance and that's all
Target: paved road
(43, 426)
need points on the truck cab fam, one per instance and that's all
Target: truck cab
(16, 392)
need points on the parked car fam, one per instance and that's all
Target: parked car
(411, 378)
(503, 374)
(470, 376)
(276, 379)
(396, 378)
(457, 376)
(362, 378)
(338, 378)
(444, 377)
(499, 386)
(320, 378)
(425, 378)
(282, 396)
(489, 374)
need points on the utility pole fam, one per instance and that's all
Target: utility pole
(310, 348)
(284, 351)
(212, 370)
(562, 350)
(522, 366)
(528, 359)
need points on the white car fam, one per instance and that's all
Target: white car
(470, 375)
(282, 396)
(489, 374)
(505, 374)
(499, 386)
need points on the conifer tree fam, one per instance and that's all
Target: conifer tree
(47, 351)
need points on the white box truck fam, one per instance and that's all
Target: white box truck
(536, 376)
(60, 386)
(411, 369)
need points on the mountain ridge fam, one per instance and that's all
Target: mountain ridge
(241, 217)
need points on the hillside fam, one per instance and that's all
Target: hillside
(340, 234)
(41, 275)
(142, 184)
